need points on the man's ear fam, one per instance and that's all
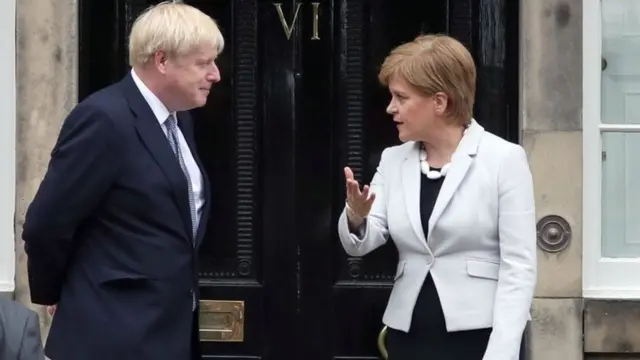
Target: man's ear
(160, 61)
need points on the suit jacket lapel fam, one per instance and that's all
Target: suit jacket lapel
(411, 186)
(459, 166)
(460, 163)
(156, 142)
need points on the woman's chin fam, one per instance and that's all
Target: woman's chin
(404, 137)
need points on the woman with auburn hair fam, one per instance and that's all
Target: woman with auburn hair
(458, 203)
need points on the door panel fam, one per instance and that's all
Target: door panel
(274, 137)
(245, 137)
(227, 137)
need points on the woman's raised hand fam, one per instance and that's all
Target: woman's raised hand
(358, 202)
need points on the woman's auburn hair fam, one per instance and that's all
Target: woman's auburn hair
(432, 64)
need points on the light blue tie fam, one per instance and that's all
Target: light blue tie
(172, 134)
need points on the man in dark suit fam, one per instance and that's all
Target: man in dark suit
(113, 232)
(19, 332)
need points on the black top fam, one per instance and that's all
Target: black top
(429, 190)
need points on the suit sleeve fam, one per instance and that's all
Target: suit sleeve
(517, 275)
(31, 347)
(83, 165)
(374, 232)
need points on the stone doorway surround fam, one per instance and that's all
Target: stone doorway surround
(551, 132)
(47, 76)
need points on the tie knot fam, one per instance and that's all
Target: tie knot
(172, 123)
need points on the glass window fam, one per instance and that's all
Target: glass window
(621, 194)
(620, 144)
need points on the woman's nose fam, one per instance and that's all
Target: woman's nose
(390, 109)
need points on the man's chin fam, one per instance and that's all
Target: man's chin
(201, 102)
(195, 105)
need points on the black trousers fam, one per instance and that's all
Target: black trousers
(428, 337)
(196, 352)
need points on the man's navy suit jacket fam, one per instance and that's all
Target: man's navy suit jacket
(108, 235)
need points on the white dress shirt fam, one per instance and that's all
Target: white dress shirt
(162, 113)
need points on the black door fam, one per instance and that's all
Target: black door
(290, 112)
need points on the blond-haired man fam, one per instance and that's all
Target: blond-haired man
(113, 232)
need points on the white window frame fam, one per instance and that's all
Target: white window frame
(609, 278)
(7, 144)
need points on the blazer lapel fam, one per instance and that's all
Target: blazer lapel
(460, 163)
(156, 142)
(411, 186)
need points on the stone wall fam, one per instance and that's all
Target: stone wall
(551, 123)
(47, 63)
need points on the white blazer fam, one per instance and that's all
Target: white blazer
(481, 243)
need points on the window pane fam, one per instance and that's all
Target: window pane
(621, 54)
(621, 195)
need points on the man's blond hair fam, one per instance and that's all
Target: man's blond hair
(435, 63)
(174, 28)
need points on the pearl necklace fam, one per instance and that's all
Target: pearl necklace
(426, 169)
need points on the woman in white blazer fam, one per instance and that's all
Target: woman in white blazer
(458, 203)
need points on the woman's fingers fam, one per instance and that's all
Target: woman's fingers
(353, 188)
(370, 200)
(360, 200)
(348, 174)
(365, 192)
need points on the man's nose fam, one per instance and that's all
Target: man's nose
(214, 76)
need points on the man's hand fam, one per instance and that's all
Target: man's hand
(51, 309)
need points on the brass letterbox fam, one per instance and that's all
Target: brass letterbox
(221, 321)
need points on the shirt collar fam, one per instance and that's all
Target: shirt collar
(157, 107)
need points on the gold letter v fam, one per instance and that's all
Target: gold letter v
(288, 29)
